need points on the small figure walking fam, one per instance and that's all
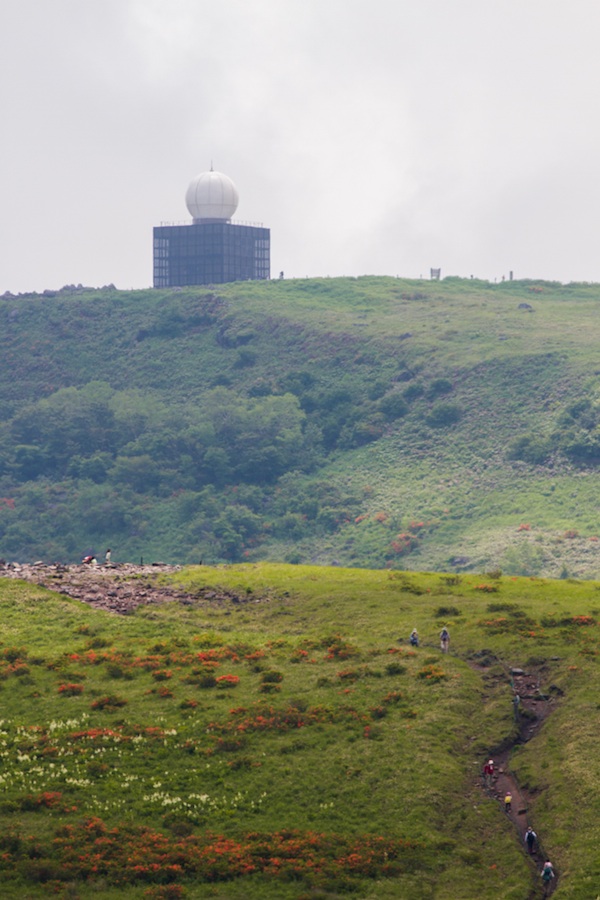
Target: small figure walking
(530, 839)
(516, 705)
(414, 638)
(444, 639)
(507, 802)
(547, 874)
(488, 773)
(107, 557)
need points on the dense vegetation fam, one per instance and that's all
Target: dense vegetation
(369, 421)
(276, 739)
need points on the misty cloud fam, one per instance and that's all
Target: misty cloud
(371, 137)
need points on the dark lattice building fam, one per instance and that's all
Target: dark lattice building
(211, 249)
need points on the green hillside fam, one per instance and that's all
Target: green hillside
(274, 736)
(372, 422)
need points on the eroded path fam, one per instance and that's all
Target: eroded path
(534, 707)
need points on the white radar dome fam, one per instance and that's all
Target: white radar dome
(211, 196)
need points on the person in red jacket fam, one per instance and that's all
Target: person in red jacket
(488, 773)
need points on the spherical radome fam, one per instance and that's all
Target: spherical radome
(212, 195)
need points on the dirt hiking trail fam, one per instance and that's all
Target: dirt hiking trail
(534, 706)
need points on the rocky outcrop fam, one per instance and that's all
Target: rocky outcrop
(117, 588)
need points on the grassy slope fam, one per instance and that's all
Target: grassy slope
(512, 371)
(459, 477)
(414, 776)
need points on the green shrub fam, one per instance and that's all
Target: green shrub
(444, 414)
(439, 387)
(114, 670)
(395, 669)
(271, 676)
(512, 609)
(393, 405)
(529, 448)
(245, 359)
(414, 390)
(446, 612)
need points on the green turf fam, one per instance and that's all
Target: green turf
(335, 735)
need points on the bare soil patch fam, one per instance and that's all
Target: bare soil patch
(117, 588)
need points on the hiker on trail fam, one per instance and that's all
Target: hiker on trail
(488, 773)
(547, 874)
(516, 704)
(507, 802)
(414, 638)
(87, 559)
(107, 558)
(530, 839)
(444, 639)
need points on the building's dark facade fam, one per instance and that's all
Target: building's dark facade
(210, 253)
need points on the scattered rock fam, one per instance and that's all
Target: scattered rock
(121, 588)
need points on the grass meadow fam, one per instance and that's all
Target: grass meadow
(276, 737)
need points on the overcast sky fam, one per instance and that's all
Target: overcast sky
(371, 136)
